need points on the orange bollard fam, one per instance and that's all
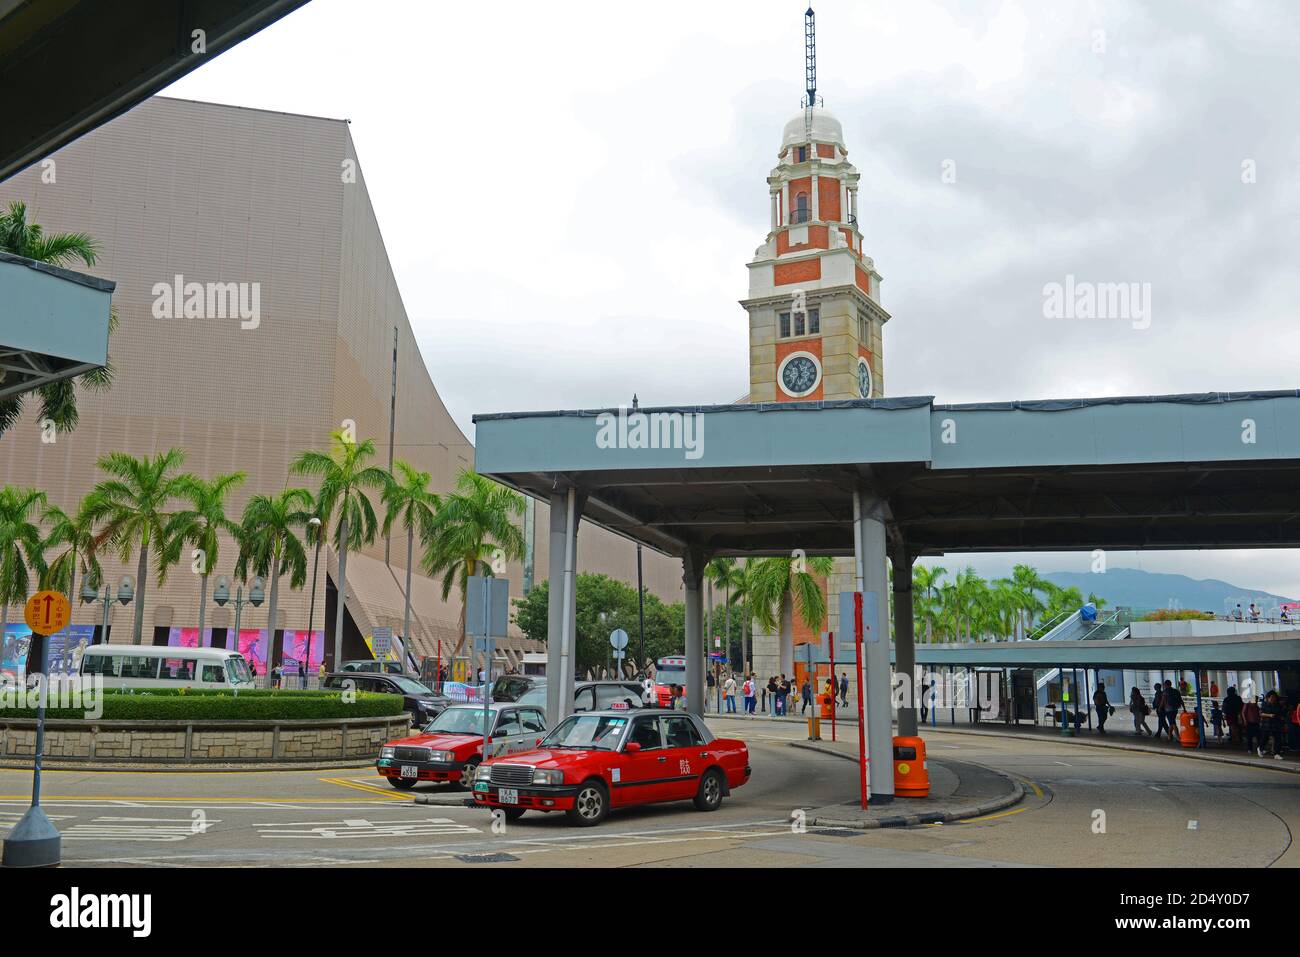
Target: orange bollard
(828, 706)
(1188, 736)
(911, 770)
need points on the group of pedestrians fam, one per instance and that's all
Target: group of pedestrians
(777, 698)
(1257, 724)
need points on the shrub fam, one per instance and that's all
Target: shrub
(1177, 614)
(208, 704)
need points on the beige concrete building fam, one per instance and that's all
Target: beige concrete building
(258, 312)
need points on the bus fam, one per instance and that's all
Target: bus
(669, 671)
(134, 666)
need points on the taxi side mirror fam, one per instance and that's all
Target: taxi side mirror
(632, 747)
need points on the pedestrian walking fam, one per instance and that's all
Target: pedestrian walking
(751, 694)
(1271, 727)
(769, 694)
(1232, 704)
(1102, 704)
(1158, 704)
(1171, 702)
(844, 691)
(729, 693)
(1216, 719)
(1137, 707)
(302, 674)
(807, 695)
(1250, 715)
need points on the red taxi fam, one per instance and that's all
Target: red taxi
(599, 760)
(450, 747)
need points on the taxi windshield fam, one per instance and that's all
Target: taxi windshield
(457, 721)
(594, 732)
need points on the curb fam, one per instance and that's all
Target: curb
(1193, 754)
(48, 765)
(1018, 792)
(456, 799)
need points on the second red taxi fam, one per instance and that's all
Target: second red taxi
(598, 760)
(450, 747)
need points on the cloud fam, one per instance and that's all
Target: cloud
(569, 200)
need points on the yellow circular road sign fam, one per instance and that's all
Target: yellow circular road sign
(48, 612)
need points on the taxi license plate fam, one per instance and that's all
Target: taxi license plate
(508, 795)
(410, 771)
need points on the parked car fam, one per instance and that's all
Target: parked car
(450, 747)
(602, 759)
(422, 703)
(594, 695)
(513, 687)
(371, 665)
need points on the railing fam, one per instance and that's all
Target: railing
(800, 216)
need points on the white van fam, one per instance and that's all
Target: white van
(159, 666)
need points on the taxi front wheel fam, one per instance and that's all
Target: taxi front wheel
(590, 805)
(709, 796)
(466, 777)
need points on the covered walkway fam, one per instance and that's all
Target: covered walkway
(891, 479)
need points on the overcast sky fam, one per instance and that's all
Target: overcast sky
(1105, 140)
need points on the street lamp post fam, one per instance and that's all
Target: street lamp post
(125, 592)
(314, 524)
(221, 595)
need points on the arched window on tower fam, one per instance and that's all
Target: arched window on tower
(801, 208)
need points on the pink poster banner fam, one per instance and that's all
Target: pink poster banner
(304, 646)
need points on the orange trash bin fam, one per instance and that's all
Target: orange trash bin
(911, 770)
(1188, 736)
(828, 706)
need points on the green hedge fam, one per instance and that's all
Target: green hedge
(166, 704)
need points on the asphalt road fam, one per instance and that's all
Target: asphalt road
(1089, 807)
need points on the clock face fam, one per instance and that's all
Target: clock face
(800, 373)
(864, 378)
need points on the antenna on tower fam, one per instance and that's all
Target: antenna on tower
(810, 55)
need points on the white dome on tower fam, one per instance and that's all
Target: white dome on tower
(825, 129)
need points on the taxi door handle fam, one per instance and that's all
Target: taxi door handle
(704, 754)
(662, 760)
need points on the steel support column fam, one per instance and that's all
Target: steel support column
(693, 563)
(561, 604)
(904, 639)
(873, 669)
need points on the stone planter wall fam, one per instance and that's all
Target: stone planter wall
(204, 742)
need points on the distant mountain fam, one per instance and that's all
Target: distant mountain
(1141, 589)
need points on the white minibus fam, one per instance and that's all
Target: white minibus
(165, 666)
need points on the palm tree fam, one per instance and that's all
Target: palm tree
(133, 507)
(472, 523)
(1029, 583)
(201, 524)
(408, 498)
(269, 543)
(926, 578)
(345, 478)
(778, 592)
(742, 583)
(21, 552)
(77, 533)
(722, 572)
(21, 238)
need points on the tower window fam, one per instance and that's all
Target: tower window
(814, 322)
(801, 208)
(802, 153)
(798, 324)
(785, 325)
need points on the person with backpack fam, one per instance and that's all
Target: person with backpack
(1137, 707)
(1250, 715)
(1232, 714)
(1172, 703)
(1102, 704)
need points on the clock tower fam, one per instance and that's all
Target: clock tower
(815, 319)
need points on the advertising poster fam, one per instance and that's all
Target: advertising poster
(65, 648)
(252, 645)
(189, 638)
(300, 645)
